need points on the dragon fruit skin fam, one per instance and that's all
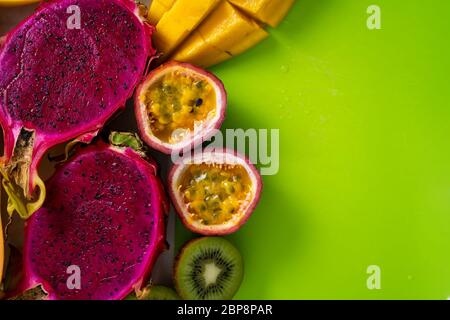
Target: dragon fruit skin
(59, 84)
(104, 213)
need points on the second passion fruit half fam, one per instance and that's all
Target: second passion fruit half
(215, 192)
(179, 106)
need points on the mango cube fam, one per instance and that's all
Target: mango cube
(197, 51)
(225, 33)
(157, 9)
(177, 23)
(230, 30)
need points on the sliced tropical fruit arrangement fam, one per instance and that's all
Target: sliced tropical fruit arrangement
(179, 106)
(219, 31)
(100, 216)
(215, 192)
(104, 214)
(208, 268)
(46, 103)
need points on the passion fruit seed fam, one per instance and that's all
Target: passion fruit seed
(214, 193)
(179, 100)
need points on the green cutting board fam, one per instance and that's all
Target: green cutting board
(364, 179)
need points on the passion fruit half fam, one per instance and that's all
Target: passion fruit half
(179, 106)
(215, 192)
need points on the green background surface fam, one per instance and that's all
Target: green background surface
(364, 176)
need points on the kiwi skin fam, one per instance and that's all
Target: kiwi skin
(189, 250)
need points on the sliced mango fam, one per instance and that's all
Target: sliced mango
(224, 34)
(155, 12)
(270, 12)
(231, 31)
(197, 51)
(177, 23)
(157, 9)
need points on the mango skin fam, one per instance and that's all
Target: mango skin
(270, 12)
(224, 34)
(177, 23)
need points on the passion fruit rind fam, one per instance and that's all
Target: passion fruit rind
(217, 200)
(158, 120)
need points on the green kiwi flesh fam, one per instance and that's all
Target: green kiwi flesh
(208, 268)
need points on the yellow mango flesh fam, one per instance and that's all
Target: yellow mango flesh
(177, 23)
(197, 51)
(157, 9)
(230, 30)
(155, 12)
(167, 3)
(225, 33)
(270, 12)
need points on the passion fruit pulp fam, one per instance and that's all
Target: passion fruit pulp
(215, 193)
(179, 106)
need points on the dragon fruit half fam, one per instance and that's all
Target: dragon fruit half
(104, 215)
(61, 81)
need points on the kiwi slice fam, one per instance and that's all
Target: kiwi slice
(155, 293)
(208, 268)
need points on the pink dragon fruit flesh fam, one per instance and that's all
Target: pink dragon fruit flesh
(61, 81)
(104, 216)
